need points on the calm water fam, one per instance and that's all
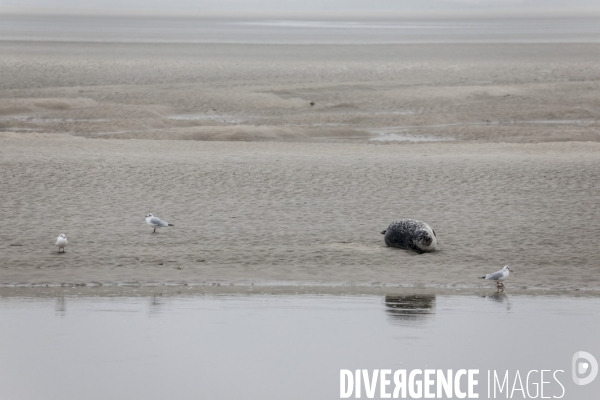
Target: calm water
(215, 30)
(274, 347)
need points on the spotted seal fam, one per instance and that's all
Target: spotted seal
(410, 234)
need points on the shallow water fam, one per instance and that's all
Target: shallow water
(418, 133)
(273, 347)
(401, 134)
(305, 31)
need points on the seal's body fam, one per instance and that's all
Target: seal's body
(410, 234)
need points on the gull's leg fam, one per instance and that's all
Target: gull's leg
(154, 230)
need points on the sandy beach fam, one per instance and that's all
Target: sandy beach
(278, 164)
(296, 213)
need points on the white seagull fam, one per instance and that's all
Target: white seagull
(498, 276)
(155, 222)
(61, 242)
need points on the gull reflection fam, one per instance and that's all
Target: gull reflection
(156, 303)
(60, 306)
(409, 308)
(501, 298)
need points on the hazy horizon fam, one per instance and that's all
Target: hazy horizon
(301, 22)
(329, 8)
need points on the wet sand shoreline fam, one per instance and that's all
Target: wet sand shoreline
(291, 289)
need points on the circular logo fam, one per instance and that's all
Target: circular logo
(582, 362)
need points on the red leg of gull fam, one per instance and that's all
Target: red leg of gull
(154, 230)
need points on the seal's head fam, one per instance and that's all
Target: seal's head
(425, 239)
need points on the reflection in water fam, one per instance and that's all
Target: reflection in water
(500, 298)
(60, 306)
(409, 308)
(204, 343)
(156, 303)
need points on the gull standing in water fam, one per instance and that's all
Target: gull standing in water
(155, 222)
(498, 276)
(61, 242)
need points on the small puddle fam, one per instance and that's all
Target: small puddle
(400, 134)
(230, 119)
(406, 133)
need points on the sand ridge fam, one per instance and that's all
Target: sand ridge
(486, 92)
(299, 213)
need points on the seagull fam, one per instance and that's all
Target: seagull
(498, 276)
(61, 242)
(155, 222)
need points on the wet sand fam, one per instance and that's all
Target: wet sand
(492, 92)
(296, 213)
